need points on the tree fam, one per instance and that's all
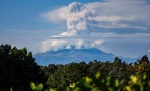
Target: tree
(57, 80)
(117, 60)
(17, 69)
(144, 59)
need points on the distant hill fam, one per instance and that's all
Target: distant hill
(65, 56)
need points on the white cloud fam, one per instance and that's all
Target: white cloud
(149, 51)
(95, 40)
(85, 23)
(109, 14)
(56, 44)
(52, 45)
(106, 18)
(57, 15)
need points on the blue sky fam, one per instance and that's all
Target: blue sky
(116, 26)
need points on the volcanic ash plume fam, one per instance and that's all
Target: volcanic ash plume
(77, 18)
(78, 27)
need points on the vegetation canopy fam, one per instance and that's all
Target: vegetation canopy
(20, 72)
(17, 69)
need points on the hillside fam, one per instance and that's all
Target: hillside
(65, 56)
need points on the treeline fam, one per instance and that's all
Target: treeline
(20, 72)
(17, 69)
(60, 76)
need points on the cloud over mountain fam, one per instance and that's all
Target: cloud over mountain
(108, 14)
(77, 23)
(57, 44)
(94, 24)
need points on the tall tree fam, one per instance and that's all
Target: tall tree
(17, 69)
(144, 59)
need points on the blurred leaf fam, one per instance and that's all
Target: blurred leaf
(32, 85)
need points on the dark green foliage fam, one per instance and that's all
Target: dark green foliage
(65, 74)
(117, 60)
(18, 69)
(117, 72)
(144, 59)
(97, 82)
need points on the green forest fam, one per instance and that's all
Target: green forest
(20, 72)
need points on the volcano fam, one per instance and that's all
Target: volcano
(65, 56)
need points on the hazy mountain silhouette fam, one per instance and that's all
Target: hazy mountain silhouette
(65, 56)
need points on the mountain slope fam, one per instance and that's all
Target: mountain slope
(65, 56)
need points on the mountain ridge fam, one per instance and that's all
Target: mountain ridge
(65, 56)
